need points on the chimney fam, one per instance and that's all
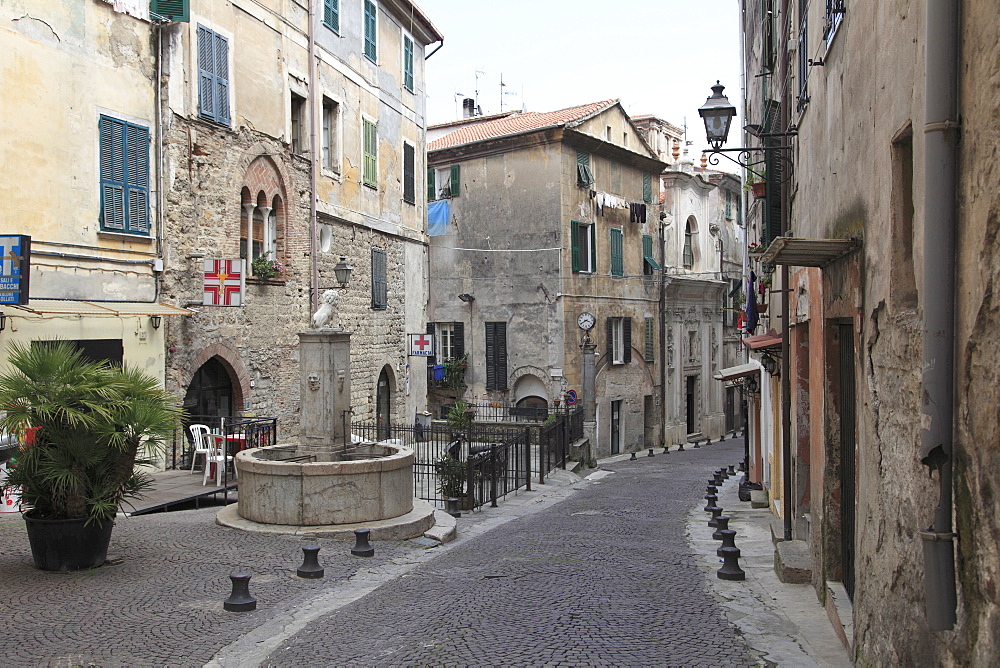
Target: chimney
(468, 107)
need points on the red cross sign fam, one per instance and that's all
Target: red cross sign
(422, 345)
(223, 285)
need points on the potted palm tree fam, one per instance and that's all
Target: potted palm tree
(92, 426)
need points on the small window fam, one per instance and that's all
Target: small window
(649, 265)
(371, 31)
(619, 340)
(124, 167)
(298, 114)
(617, 259)
(408, 63)
(625, 139)
(608, 135)
(582, 242)
(380, 297)
(370, 154)
(331, 135)
(409, 173)
(689, 246)
(729, 205)
(803, 47)
(331, 14)
(443, 182)
(213, 76)
(584, 176)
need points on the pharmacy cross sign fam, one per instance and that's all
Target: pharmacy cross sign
(223, 284)
(421, 345)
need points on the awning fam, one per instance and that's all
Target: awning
(734, 372)
(67, 307)
(808, 252)
(770, 340)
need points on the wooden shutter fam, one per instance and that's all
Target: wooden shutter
(206, 73)
(370, 31)
(112, 134)
(610, 332)
(221, 79)
(370, 155)
(647, 188)
(574, 235)
(331, 14)
(617, 263)
(496, 355)
(458, 338)
(408, 63)
(409, 176)
(432, 330)
(650, 326)
(379, 286)
(170, 10)
(454, 184)
(431, 178)
(626, 340)
(137, 173)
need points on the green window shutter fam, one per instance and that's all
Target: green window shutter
(574, 234)
(649, 352)
(584, 176)
(409, 174)
(371, 154)
(592, 233)
(170, 10)
(617, 263)
(431, 193)
(206, 73)
(647, 188)
(331, 14)
(454, 184)
(647, 253)
(112, 134)
(408, 63)
(371, 30)
(137, 173)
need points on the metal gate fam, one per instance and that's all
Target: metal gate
(847, 455)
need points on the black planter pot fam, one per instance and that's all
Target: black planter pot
(68, 545)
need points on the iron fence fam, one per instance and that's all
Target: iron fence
(240, 433)
(500, 412)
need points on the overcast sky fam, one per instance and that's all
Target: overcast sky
(658, 57)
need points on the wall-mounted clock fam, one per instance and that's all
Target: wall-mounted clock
(586, 320)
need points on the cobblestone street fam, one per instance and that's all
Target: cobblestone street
(596, 573)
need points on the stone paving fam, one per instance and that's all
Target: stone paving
(595, 572)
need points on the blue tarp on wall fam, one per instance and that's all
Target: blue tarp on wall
(438, 213)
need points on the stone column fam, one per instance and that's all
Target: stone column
(325, 363)
(589, 391)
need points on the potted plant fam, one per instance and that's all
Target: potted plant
(756, 185)
(755, 250)
(460, 417)
(454, 373)
(91, 426)
(451, 476)
(265, 267)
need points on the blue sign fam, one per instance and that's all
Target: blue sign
(15, 268)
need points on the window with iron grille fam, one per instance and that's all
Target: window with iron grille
(331, 14)
(617, 258)
(124, 157)
(408, 63)
(380, 297)
(371, 30)
(496, 355)
(582, 243)
(213, 76)
(409, 174)
(371, 154)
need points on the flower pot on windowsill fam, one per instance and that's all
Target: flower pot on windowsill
(761, 308)
(759, 189)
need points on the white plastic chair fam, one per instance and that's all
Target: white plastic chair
(200, 443)
(217, 455)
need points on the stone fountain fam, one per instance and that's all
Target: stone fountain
(326, 484)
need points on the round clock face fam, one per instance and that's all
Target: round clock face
(586, 320)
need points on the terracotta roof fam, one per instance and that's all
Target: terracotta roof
(516, 124)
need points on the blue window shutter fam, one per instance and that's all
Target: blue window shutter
(574, 234)
(331, 14)
(222, 79)
(408, 63)
(112, 135)
(371, 28)
(206, 73)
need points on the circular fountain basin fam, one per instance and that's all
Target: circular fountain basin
(288, 484)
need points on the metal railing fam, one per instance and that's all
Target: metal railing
(500, 412)
(241, 433)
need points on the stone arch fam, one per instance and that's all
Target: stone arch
(263, 209)
(691, 243)
(230, 360)
(530, 385)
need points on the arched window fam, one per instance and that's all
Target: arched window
(262, 212)
(689, 232)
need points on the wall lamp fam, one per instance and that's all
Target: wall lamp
(718, 114)
(3, 321)
(154, 320)
(342, 272)
(466, 297)
(770, 364)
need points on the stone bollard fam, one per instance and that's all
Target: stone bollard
(714, 520)
(632, 458)
(732, 469)
(666, 449)
(711, 489)
(651, 453)
(722, 524)
(731, 567)
(718, 480)
(451, 507)
(680, 448)
(310, 568)
(728, 540)
(711, 499)
(362, 548)
(240, 599)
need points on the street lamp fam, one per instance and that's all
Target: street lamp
(718, 114)
(342, 271)
(770, 364)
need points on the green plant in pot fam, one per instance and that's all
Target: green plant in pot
(92, 426)
(451, 474)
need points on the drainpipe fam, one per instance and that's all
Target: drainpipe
(786, 407)
(313, 163)
(941, 133)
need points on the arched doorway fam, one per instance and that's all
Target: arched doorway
(210, 393)
(382, 407)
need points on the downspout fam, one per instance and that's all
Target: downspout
(786, 408)
(158, 121)
(313, 163)
(663, 325)
(941, 133)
